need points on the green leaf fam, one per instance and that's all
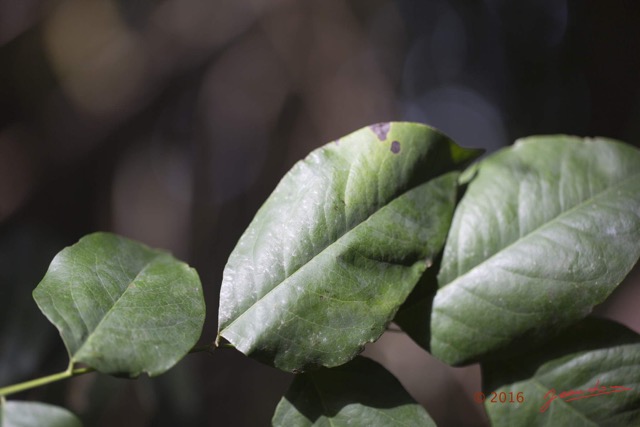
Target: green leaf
(546, 230)
(596, 358)
(32, 414)
(339, 245)
(360, 393)
(121, 307)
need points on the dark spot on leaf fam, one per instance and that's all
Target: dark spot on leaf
(395, 147)
(381, 130)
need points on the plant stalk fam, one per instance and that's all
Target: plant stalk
(70, 372)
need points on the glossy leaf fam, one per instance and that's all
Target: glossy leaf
(121, 307)
(339, 245)
(360, 393)
(587, 376)
(32, 414)
(546, 230)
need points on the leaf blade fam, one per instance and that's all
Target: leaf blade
(121, 307)
(529, 242)
(592, 353)
(34, 414)
(326, 223)
(360, 393)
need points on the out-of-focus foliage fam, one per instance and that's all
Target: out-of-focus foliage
(24, 336)
(17, 414)
(361, 392)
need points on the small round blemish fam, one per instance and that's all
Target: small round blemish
(395, 147)
(381, 130)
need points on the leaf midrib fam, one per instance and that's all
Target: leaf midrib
(542, 226)
(331, 245)
(113, 306)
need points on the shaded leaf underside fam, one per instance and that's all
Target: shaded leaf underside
(360, 393)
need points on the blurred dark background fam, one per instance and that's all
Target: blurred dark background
(170, 122)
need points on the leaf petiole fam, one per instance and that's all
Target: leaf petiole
(68, 373)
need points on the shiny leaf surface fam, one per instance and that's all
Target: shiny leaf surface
(339, 244)
(546, 230)
(587, 376)
(121, 307)
(360, 393)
